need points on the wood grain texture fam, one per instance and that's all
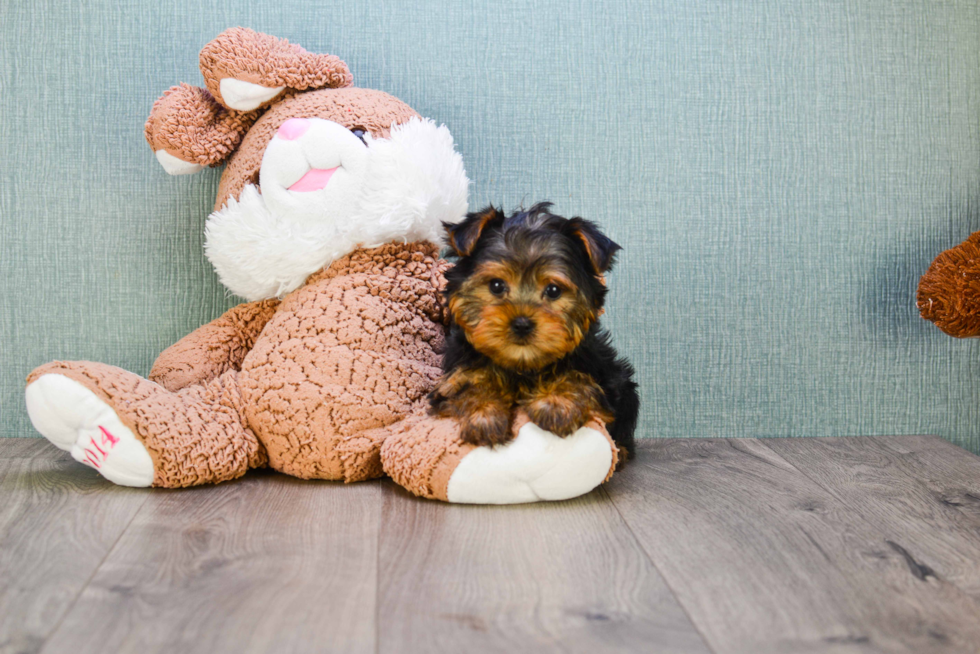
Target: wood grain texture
(949, 472)
(765, 560)
(58, 520)
(880, 480)
(265, 564)
(564, 577)
(702, 545)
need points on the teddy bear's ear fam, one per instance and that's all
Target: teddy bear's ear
(949, 292)
(462, 237)
(188, 130)
(246, 70)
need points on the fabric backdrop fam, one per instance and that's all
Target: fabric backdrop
(779, 173)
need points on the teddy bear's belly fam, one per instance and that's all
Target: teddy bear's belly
(321, 377)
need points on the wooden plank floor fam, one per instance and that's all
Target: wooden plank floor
(700, 545)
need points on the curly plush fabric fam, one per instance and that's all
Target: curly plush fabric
(311, 385)
(187, 122)
(949, 292)
(350, 353)
(213, 349)
(422, 455)
(249, 56)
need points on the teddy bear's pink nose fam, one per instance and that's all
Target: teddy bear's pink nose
(293, 128)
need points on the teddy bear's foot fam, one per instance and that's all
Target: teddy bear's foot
(536, 466)
(428, 458)
(77, 421)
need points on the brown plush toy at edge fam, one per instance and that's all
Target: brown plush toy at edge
(949, 292)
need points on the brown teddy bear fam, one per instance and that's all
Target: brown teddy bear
(328, 218)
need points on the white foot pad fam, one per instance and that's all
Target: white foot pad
(245, 96)
(76, 420)
(535, 466)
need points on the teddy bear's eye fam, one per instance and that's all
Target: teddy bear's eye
(359, 133)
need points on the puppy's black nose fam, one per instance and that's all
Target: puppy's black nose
(522, 326)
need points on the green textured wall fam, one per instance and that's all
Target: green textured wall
(779, 173)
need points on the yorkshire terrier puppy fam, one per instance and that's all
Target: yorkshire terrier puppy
(524, 297)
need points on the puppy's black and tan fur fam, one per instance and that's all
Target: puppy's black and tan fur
(524, 298)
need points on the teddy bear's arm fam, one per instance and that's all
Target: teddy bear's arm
(213, 349)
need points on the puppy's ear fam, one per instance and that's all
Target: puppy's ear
(601, 249)
(462, 237)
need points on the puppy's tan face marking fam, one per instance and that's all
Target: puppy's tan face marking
(522, 314)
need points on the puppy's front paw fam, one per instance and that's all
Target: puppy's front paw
(565, 403)
(560, 415)
(488, 426)
(482, 408)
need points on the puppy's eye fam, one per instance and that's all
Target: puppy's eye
(359, 133)
(498, 287)
(552, 291)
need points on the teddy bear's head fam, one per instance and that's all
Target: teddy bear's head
(949, 292)
(315, 167)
